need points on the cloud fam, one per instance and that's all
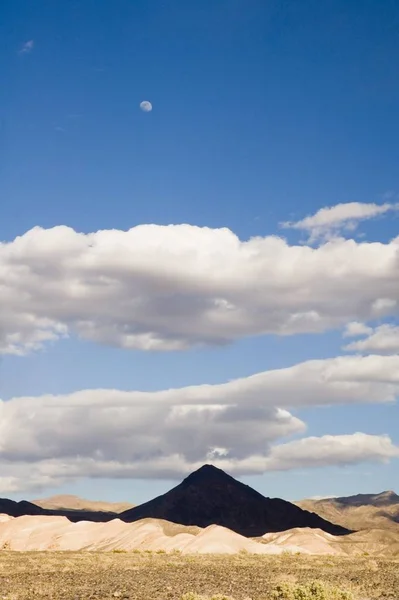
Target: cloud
(174, 287)
(321, 497)
(47, 440)
(331, 221)
(27, 47)
(356, 329)
(331, 450)
(383, 339)
(312, 452)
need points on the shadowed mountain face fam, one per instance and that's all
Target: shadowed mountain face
(210, 496)
(19, 509)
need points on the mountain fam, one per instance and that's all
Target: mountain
(210, 496)
(22, 508)
(362, 511)
(69, 503)
(387, 498)
(18, 509)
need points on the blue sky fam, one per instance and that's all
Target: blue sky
(263, 112)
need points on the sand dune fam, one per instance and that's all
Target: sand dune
(28, 533)
(312, 541)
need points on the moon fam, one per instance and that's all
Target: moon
(146, 106)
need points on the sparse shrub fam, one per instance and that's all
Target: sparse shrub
(315, 590)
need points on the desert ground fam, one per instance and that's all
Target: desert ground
(152, 576)
(50, 557)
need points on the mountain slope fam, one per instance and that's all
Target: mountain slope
(24, 508)
(362, 511)
(68, 502)
(210, 496)
(18, 509)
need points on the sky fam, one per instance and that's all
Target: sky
(214, 280)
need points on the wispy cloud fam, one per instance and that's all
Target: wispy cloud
(381, 340)
(329, 222)
(27, 47)
(356, 329)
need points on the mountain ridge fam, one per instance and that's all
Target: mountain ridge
(211, 496)
(360, 511)
(70, 502)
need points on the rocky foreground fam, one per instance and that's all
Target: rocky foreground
(143, 575)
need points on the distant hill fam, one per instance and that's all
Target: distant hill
(22, 508)
(210, 496)
(388, 498)
(362, 511)
(18, 509)
(72, 503)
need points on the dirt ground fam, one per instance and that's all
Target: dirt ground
(132, 575)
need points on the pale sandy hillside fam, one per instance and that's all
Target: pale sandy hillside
(70, 502)
(57, 533)
(373, 542)
(54, 533)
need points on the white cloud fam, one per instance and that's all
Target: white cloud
(312, 452)
(330, 221)
(110, 433)
(356, 329)
(321, 497)
(27, 47)
(331, 450)
(383, 339)
(173, 287)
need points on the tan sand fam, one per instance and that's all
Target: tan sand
(57, 533)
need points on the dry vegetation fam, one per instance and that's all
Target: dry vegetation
(152, 576)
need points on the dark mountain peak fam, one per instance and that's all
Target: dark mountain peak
(205, 474)
(210, 496)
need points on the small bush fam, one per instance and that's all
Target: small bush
(315, 590)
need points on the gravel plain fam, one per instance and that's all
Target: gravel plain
(153, 576)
